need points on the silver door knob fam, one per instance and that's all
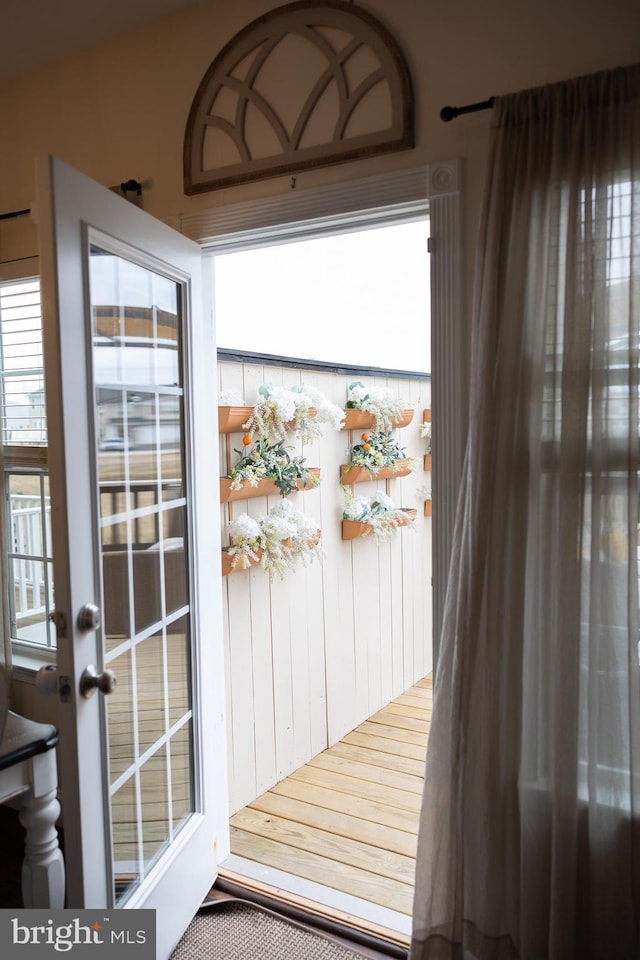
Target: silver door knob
(91, 680)
(88, 617)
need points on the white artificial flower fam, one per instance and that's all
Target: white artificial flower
(383, 500)
(327, 412)
(282, 509)
(357, 393)
(356, 509)
(284, 402)
(277, 528)
(380, 393)
(244, 527)
(305, 526)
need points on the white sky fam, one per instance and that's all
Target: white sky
(355, 298)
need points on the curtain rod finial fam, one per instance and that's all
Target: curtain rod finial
(450, 113)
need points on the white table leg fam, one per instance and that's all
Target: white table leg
(43, 872)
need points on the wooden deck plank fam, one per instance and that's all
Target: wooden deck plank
(379, 758)
(406, 710)
(376, 835)
(422, 699)
(405, 723)
(342, 783)
(366, 771)
(421, 694)
(348, 818)
(397, 748)
(393, 732)
(367, 886)
(333, 847)
(348, 803)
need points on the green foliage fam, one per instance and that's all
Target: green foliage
(272, 462)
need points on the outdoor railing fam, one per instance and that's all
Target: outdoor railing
(28, 554)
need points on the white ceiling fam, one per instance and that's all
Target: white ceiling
(37, 32)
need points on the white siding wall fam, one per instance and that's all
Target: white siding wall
(312, 656)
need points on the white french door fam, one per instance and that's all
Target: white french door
(130, 381)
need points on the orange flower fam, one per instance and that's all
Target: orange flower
(366, 446)
(246, 439)
(365, 437)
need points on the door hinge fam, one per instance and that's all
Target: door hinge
(431, 245)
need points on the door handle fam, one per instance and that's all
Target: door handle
(88, 617)
(91, 680)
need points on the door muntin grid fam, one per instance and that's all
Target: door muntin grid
(138, 384)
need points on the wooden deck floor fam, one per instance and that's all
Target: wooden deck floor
(348, 819)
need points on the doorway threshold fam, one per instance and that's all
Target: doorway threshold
(317, 899)
(340, 833)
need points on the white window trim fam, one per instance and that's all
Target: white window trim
(381, 200)
(23, 659)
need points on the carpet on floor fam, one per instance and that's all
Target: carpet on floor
(242, 931)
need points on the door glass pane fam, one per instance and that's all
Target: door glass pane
(154, 794)
(139, 423)
(125, 844)
(181, 785)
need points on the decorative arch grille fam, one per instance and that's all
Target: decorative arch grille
(306, 85)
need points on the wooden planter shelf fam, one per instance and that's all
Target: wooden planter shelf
(361, 420)
(352, 529)
(243, 563)
(265, 488)
(427, 508)
(246, 562)
(230, 419)
(350, 474)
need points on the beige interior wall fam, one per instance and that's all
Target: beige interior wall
(119, 110)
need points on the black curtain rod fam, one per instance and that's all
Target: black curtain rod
(450, 113)
(14, 213)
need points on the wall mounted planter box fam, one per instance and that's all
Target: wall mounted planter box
(360, 420)
(427, 508)
(265, 488)
(244, 563)
(352, 529)
(351, 474)
(230, 419)
(427, 462)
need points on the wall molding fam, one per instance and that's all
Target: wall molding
(401, 194)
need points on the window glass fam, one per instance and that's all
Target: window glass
(30, 599)
(21, 364)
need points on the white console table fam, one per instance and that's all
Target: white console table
(28, 772)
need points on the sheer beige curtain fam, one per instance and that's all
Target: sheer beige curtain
(529, 843)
